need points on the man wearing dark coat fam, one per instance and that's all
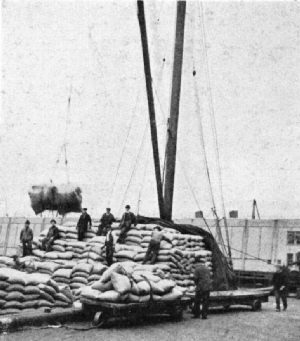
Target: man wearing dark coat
(84, 223)
(52, 235)
(109, 247)
(203, 283)
(280, 285)
(26, 238)
(105, 223)
(127, 220)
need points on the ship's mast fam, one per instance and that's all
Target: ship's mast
(151, 108)
(174, 111)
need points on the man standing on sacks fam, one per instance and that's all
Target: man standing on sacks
(26, 238)
(84, 223)
(154, 245)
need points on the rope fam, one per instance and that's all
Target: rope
(135, 164)
(123, 149)
(213, 123)
(200, 127)
(211, 107)
(63, 148)
(98, 59)
(202, 141)
(143, 181)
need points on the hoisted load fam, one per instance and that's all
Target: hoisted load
(63, 199)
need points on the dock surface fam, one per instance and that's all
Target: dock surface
(238, 324)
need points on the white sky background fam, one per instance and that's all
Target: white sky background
(253, 53)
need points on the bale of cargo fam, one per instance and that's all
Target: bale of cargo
(63, 199)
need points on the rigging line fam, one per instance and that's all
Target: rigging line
(200, 125)
(248, 254)
(213, 123)
(98, 58)
(66, 132)
(143, 179)
(167, 133)
(135, 164)
(123, 149)
(211, 106)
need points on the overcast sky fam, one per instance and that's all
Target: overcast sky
(91, 50)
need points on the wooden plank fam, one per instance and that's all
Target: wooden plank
(7, 236)
(245, 243)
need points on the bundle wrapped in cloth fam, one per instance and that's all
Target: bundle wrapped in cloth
(19, 290)
(131, 282)
(63, 199)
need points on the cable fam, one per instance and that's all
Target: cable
(135, 163)
(213, 123)
(123, 149)
(211, 107)
(143, 181)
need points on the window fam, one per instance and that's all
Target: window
(290, 258)
(297, 237)
(291, 237)
(279, 262)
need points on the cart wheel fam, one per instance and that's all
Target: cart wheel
(226, 307)
(98, 320)
(256, 305)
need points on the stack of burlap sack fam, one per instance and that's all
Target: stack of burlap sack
(20, 290)
(131, 283)
(6, 262)
(177, 259)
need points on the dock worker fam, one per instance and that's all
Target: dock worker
(203, 283)
(26, 237)
(280, 283)
(52, 235)
(84, 223)
(127, 220)
(154, 245)
(105, 223)
(109, 247)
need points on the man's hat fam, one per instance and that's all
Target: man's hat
(27, 222)
(53, 221)
(108, 209)
(85, 209)
(127, 206)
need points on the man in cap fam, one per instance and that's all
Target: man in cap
(84, 223)
(203, 283)
(127, 220)
(26, 238)
(109, 246)
(154, 245)
(52, 235)
(280, 283)
(105, 223)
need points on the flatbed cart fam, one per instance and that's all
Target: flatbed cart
(252, 298)
(108, 311)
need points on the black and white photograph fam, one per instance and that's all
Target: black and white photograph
(150, 170)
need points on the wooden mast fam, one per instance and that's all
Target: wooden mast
(174, 111)
(151, 108)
